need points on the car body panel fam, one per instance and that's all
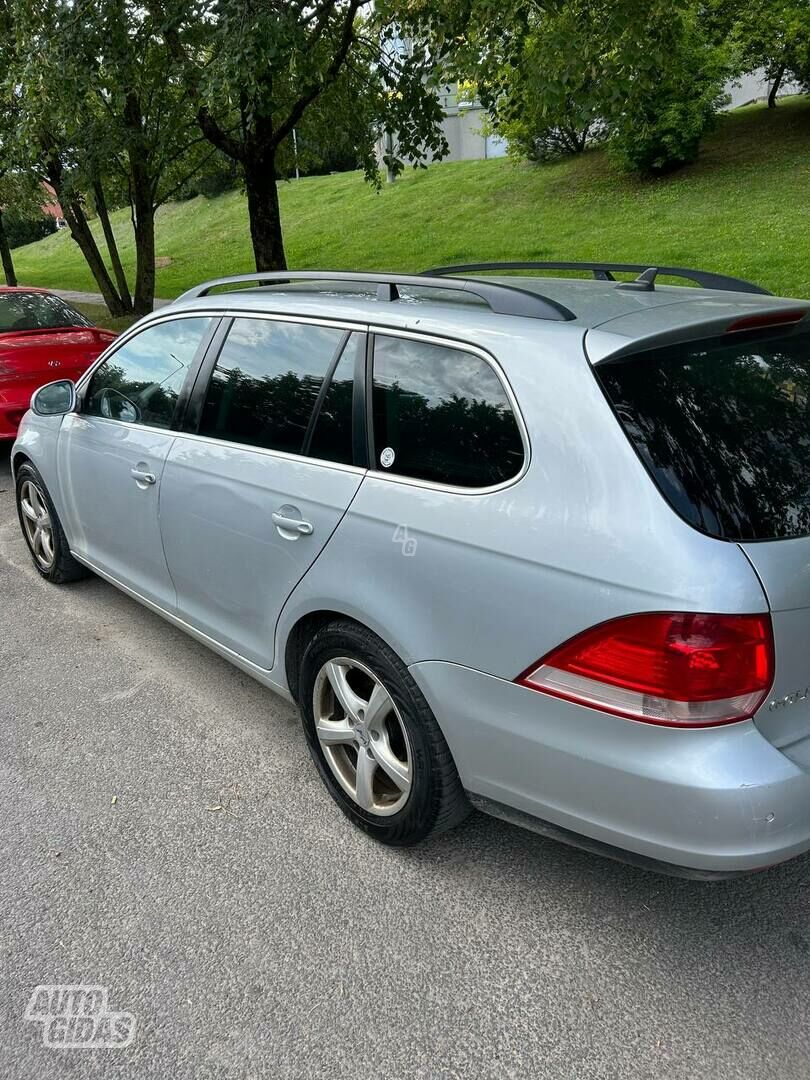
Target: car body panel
(720, 799)
(232, 568)
(783, 567)
(109, 516)
(31, 358)
(701, 317)
(574, 546)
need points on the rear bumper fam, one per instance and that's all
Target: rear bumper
(716, 802)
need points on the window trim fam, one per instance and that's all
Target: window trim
(361, 400)
(447, 343)
(184, 395)
(209, 363)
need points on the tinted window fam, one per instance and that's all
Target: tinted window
(723, 428)
(266, 382)
(332, 437)
(37, 311)
(141, 381)
(443, 415)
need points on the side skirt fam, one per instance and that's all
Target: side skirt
(261, 675)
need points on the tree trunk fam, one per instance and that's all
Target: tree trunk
(112, 246)
(265, 215)
(5, 253)
(80, 231)
(143, 204)
(777, 82)
(144, 221)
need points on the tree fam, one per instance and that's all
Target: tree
(102, 97)
(258, 71)
(21, 198)
(774, 36)
(658, 127)
(554, 74)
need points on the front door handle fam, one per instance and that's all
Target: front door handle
(141, 476)
(289, 525)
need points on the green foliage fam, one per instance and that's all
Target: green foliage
(660, 125)
(730, 212)
(773, 35)
(26, 228)
(555, 75)
(213, 177)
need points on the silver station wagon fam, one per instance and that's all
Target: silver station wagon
(535, 544)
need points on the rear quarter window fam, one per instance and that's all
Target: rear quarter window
(443, 415)
(723, 428)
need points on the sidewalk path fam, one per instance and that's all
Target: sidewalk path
(92, 297)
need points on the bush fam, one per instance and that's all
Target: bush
(217, 176)
(659, 128)
(25, 229)
(663, 136)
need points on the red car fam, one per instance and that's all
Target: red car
(41, 339)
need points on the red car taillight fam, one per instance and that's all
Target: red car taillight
(680, 669)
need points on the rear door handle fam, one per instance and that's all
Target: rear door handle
(287, 524)
(142, 477)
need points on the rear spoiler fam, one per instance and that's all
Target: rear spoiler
(655, 328)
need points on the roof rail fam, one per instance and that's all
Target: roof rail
(502, 299)
(605, 271)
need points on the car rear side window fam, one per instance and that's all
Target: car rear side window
(724, 429)
(266, 383)
(141, 381)
(442, 414)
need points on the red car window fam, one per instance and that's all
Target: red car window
(36, 311)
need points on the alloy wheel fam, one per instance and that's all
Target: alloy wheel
(362, 736)
(37, 524)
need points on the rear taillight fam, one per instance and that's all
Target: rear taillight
(676, 668)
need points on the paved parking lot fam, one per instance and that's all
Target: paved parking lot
(163, 834)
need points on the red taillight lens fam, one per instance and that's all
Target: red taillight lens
(679, 668)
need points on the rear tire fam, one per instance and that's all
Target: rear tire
(374, 739)
(42, 529)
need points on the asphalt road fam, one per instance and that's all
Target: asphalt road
(163, 834)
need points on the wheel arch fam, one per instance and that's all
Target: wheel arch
(306, 626)
(17, 460)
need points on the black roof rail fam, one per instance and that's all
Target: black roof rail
(502, 299)
(605, 271)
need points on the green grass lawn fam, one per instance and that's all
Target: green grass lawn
(743, 208)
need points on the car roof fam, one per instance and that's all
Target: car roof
(22, 289)
(615, 320)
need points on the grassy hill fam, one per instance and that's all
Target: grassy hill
(743, 208)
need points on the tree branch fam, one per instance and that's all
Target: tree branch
(331, 73)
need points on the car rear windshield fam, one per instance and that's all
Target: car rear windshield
(723, 427)
(36, 311)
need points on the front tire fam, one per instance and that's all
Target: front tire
(42, 529)
(374, 738)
